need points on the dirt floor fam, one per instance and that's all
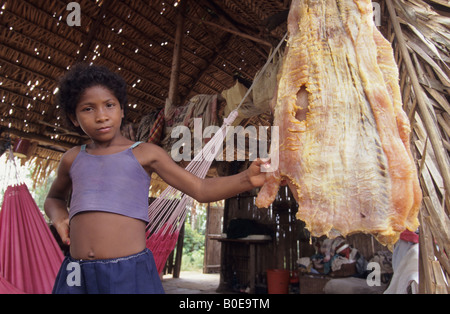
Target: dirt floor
(191, 282)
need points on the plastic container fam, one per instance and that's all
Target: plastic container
(278, 281)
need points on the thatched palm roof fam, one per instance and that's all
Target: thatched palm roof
(222, 40)
(420, 36)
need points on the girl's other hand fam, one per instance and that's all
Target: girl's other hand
(257, 177)
(63, 230)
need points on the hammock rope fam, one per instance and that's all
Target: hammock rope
(168, 212)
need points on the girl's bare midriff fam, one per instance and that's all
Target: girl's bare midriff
(102, 235)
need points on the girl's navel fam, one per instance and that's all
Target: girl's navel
(91, 254)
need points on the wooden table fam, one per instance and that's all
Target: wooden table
(252, 259)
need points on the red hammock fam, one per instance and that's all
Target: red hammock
(29, 255)
(162, 244)
(7, 288)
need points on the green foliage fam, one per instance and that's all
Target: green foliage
(193, 248)
(40, 192)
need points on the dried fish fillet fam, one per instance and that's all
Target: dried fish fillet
(344, 137)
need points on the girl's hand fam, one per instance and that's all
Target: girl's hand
(257, 177)
(63, 230)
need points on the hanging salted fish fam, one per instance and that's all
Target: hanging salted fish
(344, 137)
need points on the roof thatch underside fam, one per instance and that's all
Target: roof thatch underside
(222, 40)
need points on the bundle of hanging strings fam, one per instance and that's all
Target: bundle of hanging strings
(10, 172)
(168, 212)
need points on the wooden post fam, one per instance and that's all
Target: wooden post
(179, 255)
(172, 99)
(93, 32)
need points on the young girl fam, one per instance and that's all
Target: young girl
(109, 179)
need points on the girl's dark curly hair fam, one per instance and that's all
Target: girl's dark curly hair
(78, 79)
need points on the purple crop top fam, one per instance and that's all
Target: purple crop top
(115, 183)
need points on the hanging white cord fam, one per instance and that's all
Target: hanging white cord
(14, 172)
(170, 208)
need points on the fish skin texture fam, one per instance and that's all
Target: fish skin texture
(343, 136)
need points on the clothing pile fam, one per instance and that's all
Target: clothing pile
(151, 127)
(156, 128)
(199, 106)
(331, 256)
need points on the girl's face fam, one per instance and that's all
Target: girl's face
(99, 114)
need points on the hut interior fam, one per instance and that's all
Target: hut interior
(185, 59)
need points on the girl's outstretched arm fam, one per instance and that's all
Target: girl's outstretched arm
(203, 190)
(219, 188)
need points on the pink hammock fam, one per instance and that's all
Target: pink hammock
(7, 288)
(29, 255)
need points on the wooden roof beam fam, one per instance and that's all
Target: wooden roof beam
(234, 32)
(93, 31)
(185, 49)
(226, 19)
(39, 138)
(173, 99)
(211, 60)
(142, 48)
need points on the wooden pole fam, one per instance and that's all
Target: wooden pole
(234, 32)
(93, 31)
(172, 99)
(40, 139)
(179, 255)
(430, 126)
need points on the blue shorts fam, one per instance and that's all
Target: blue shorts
(134, 274)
